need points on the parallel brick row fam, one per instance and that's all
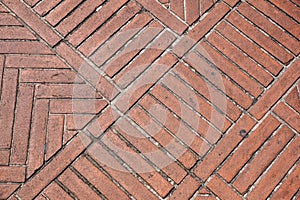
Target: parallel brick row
(103, 100)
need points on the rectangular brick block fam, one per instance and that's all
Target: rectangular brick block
(81, 190)
(33, 21)
(266, 42)
(186, 189)
(7, 106)
(166, 17)
(261, 21)
(224, 147)
(97, 19)
(54, 191)
(288, 115)
(35, 185)
(262, 160)
(145, 59)
(137, 163)
(278, 16)
(276, 91)
(265, 186)
(22, 124)
(233, 165)
(148, 149)
(222, 189)
(207, 90)
(249, 48)
(239, 58)
(118, 172)
(98, 179)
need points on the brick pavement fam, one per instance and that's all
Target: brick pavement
(149, 99)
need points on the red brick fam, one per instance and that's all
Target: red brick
(95, 20)
(35, 61)
(223, 148)
(33, 21)
(31, 2)
(60, 11)
(80, 91)
(276, 91)
(288, 115)
(2, 63)
(166, 17)
(49, 76)
(263, 159)
(81, 190)
(266, 42)
(290, 8)
(186, 189)
(23, 47)
(222, 189)
(107, 29)
(54, 139)
(139, 87)
(177, 6)
(7, 106)
(218, 80)
(118, 172)
(83, 106)
(276, 15)
(134, 69)
(232, 3)
(12, 174)
(148, 149)
(106, 119)
(133, 48)
(45, 6)
(200, 29)
(178, 128)
(167, 140)
(54, 168)
(99, 180)
(16, 32)
(205, 5)
(204, 198)
(265, 186)
(6, 19)
(107, 50)
(37, 136)
(54, 191)
(7, 190)
(209, 92)
(231, 70)
(4, 157)
(198, 104)
(249, 48)
(88, 72)
(293, 99)
(77, 121)
(289, 187)
(68, 135)
(133, 159)
(273, 30)
(192, 9)
(243, 153)
(239, 58)
(76, 17)
(22, 124)
(296, 2)
(2, 9)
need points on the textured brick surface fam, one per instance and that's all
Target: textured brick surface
(149, 99)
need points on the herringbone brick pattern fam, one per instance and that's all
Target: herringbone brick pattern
(149, 99)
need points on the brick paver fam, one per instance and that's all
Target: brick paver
(149, 99)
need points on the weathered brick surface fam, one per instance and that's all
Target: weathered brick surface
(160, 99)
